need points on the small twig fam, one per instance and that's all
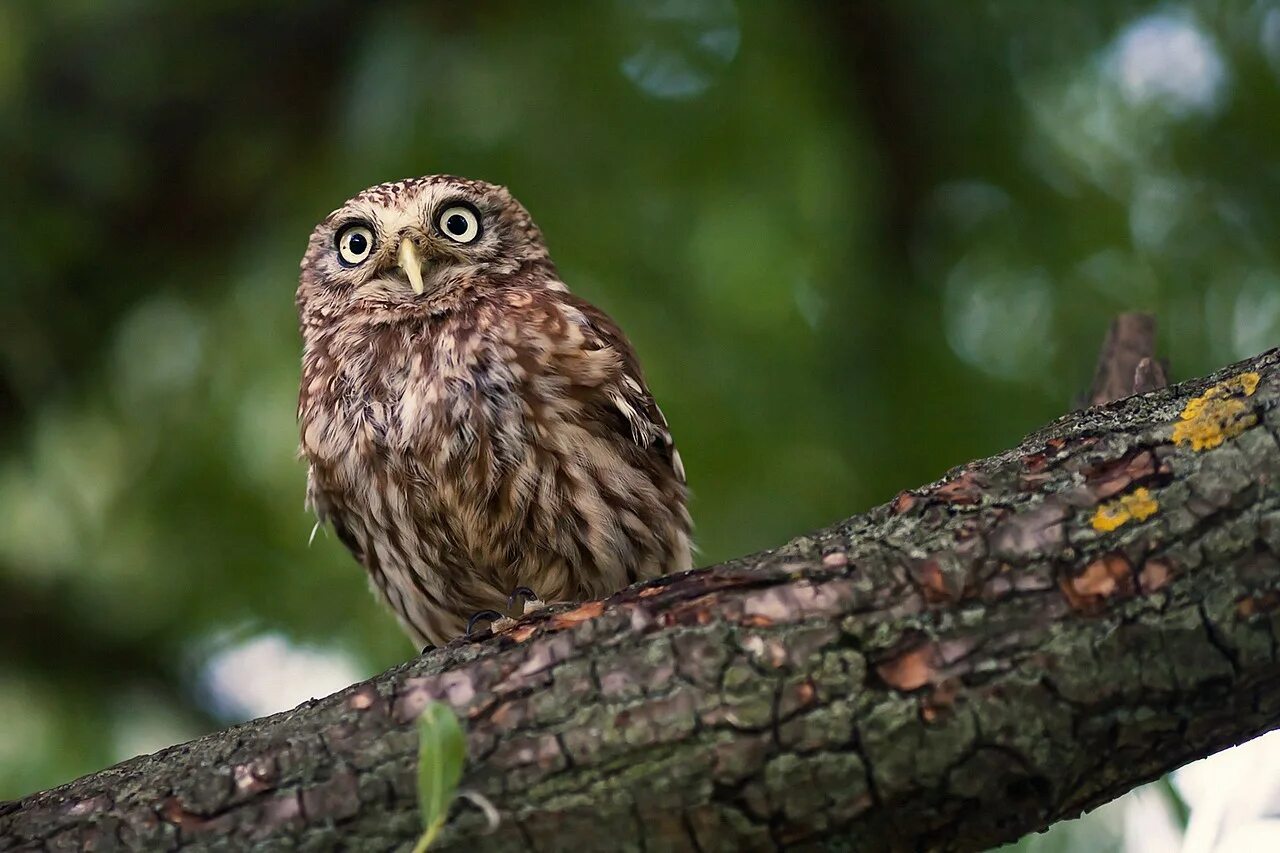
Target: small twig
(480, 801)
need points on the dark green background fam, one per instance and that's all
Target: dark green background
(854, 243)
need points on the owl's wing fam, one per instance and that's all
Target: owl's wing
(622, 397)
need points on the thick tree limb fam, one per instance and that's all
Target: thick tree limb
(1029, 637)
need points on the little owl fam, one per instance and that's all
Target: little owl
(473, 428)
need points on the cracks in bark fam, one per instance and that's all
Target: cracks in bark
(640, 826)
(526, 838)
(1217, 640)
(869, 776)
(687, 823)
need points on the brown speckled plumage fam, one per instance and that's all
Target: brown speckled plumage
(494, 431)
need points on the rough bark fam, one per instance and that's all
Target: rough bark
(1029, 637)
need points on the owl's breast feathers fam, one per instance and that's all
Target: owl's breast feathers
(509, 442)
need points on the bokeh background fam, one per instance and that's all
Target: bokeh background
(855, 243)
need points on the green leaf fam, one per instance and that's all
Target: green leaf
(442, 748)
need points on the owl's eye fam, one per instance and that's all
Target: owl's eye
(459, 222)
(355, 242)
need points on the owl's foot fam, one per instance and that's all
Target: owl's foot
(523, 600)
(493, 617)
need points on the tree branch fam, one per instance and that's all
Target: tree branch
(1031, 636)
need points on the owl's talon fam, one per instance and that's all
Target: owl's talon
(524, 596)
(489, 616)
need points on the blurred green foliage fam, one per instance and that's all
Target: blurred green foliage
(855, 245)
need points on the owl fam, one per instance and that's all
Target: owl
(472, 428)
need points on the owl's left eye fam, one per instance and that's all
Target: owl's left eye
(355, 242)
(459, 222)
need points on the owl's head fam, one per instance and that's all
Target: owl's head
(416, 242)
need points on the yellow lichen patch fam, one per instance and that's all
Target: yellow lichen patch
(1217, 414)
(1138, 505)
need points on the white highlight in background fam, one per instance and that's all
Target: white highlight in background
(1167, 59)
(267, 673)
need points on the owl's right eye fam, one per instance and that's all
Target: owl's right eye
(355, 242)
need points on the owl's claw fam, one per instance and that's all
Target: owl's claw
(522, 595)
(489, 616)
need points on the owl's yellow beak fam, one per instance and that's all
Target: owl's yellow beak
(411, 264)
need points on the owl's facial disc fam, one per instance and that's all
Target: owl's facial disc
(409, 261)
